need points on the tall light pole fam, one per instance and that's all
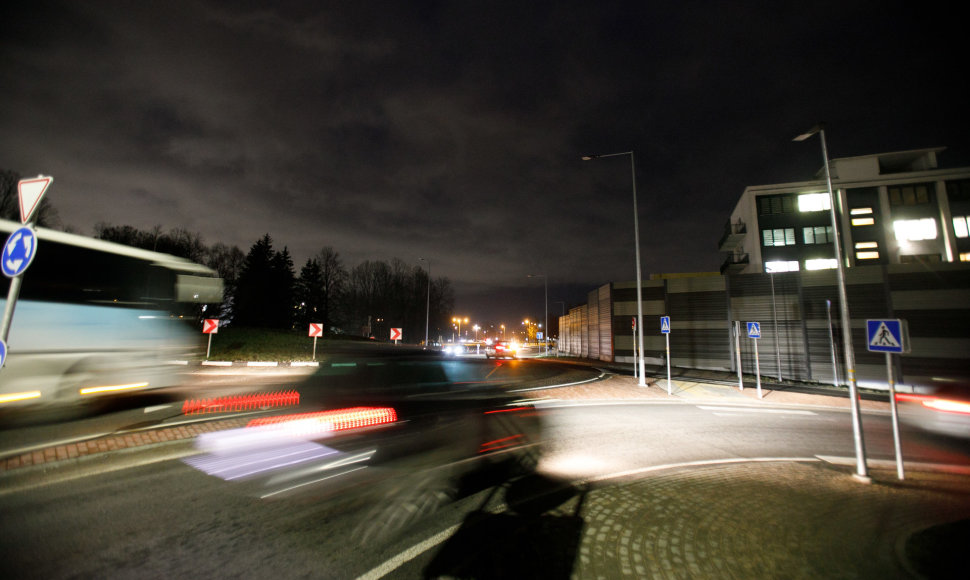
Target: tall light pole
(860, 447)
(458, 320)
(545, 336)
(636, 242)
(427, 312)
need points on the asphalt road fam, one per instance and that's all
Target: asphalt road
(703, 470)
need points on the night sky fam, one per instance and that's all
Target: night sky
(453, 131)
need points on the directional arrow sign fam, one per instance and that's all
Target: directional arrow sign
(31, 192)
(396, 334)
(316, 329)
(210, 326)
(18, 252)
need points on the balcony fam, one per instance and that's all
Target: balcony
(733, 236)
(735, 264)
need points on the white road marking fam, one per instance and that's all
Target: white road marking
(733, 410)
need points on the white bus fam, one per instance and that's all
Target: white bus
(96, 318)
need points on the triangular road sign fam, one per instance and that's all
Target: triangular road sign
(31, 191)
(884, 337)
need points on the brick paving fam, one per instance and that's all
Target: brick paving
(114, 443)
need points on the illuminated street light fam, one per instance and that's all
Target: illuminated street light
(636, 242)
(861, 470)
(458, 321)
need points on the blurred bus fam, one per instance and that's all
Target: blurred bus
(95, 318)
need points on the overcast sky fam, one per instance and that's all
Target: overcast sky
(453, 130)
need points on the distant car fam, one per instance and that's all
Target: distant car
(501, 349)
(944, 411)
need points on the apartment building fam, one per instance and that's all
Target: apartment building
(892, 208)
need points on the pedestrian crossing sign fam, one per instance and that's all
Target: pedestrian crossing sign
(665, 325)
(885, 335)
(754, 330)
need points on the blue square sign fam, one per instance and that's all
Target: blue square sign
(884, 335)
(754, 330)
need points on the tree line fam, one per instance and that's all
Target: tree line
(263, 290)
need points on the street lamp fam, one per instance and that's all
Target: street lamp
(427, 312)
(636, 242)
(860, 449)
(458, 321)
(545, 336)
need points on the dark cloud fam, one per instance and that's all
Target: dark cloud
(453, 130)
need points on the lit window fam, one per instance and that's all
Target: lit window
(778, 237)
(872, 255)
(961, 226)
(779, 266)
(866, 221)
(914, 230)
(965, 257)
(817, 235)
(861, 211)
(866, 245)
(821, 264)
(813, 202)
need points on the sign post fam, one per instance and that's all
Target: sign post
(754, 333)
(737, 352)
(665, 330)
(887, 336)
(19, 250)
(210, 326)
(316, 330)
(634, 347)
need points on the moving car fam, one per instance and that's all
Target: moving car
(501, 349)
(403, 431)
(945, 411)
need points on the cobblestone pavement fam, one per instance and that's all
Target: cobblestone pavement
(773, 519)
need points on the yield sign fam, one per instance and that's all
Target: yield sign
(316, 329)
(210, 326)
(31, 191)
(396, 334)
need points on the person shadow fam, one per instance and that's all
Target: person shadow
(537, 536)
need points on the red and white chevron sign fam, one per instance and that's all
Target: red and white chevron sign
(210, 326)
(316, 329)
(396, 334)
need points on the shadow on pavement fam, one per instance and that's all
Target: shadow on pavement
(523, 542)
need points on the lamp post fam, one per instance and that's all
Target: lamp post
(457, 320)
(427, 312)
(636, 242)
(545, 336)
(860, 448)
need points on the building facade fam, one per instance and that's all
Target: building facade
(893, 208)
(904, 226)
